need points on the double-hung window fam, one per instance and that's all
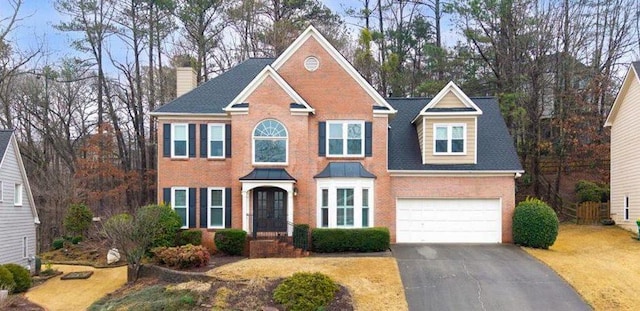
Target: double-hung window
(626, 207)
(25, 247)
(345, 138)
(179, 140)
(180, 203)
(449, 138)
(344, 205)
(17, 195)
(216, 141)
(216, 208)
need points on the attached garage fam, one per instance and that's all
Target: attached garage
(448, 221)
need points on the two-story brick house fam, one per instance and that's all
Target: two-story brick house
(305, 139)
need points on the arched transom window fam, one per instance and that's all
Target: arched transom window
(270, 142)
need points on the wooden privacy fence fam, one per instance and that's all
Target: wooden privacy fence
(590, 213)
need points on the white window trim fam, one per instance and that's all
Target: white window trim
(449, 127)
(345, 124)
(18, 194)
(186, 201)
(1, 191)
(625, 210)
(209, 140)
(25, 245)
(209, 207)
(357, 184)
(173, 139)
(253, 146)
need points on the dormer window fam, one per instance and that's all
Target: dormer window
(449, 139)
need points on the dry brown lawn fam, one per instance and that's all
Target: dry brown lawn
(56, 294)
(601, 263)
(374, 283)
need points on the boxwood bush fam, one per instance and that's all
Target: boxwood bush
(305, 291)
(535, 224)
(193, 237)
(230, 241)
(6, 279)
(587, 191)
(58, 243)
(21, 276)
(350, 240)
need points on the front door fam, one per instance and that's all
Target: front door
(269, 210)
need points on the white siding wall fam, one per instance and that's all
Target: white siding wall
(16, 222)
(625, 158)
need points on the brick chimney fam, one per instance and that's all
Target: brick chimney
(185, 80)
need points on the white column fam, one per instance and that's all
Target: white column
(290, 212)
(245, 211)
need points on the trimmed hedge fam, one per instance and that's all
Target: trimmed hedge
(193, 237)
(186, 256)
(6, 279)
(350, 240)
(305, 291)
(535, 224)
(230, 241)
(21, 276)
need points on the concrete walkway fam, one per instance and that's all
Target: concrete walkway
(480, 277)
(68, 295)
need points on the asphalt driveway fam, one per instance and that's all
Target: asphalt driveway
(480, 277)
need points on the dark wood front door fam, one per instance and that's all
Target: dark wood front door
(269, 210)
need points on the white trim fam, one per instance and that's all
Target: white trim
(450, 127)
(475, 141)
(268, 71)
(253, 146)
(332, 185)
(618, 101)
(18, 193)
(173, 140)
(23, 174)
(625, 208)
(249, 185)
(209, 140)
(461, 173)
(450, 87)
(345, 133)
(209, 207)
(312, 32)
(186, 206)
(25, 247)
(1, 191)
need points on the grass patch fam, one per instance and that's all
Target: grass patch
(151, 298)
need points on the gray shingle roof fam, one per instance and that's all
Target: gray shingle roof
(215, 94)
(5, 138)
(636, 66)
(345, 169)
(268, 174)
(495, 146)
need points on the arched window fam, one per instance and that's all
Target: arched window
(270, 142)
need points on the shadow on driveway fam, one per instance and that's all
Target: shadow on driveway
(480, 277)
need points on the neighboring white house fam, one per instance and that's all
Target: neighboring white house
(625, 159)
(18, 215)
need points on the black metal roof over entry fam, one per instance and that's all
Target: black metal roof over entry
(345, 169)
(268, 174)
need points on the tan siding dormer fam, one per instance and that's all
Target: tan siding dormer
(450, 101)
(429, 156)
(420, 129)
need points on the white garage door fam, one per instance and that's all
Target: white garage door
(448, 221)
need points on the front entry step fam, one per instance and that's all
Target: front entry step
(274, 249)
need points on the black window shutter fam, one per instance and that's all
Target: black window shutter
(203, 140)
(368, 139)
(192, 207)
(322, 138)
(227, 140)
(166, 196)
(227, 207)
(203, 207)
(192, 141)
(166, 140)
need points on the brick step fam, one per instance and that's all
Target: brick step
(274, 249)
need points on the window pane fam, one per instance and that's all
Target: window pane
(325, 197)
(270, 151)
(441, 146)
(215, 132)
(182, 212)
(457, 132)
(270, 128)
(341, 196)
(354, 131)
(349, 217)
(180, 198)
(216, 217)
(365, 197)
(340, 217)
(216, 148)
(457, 145)
(354, 146)
(216, 197)
(180, 132)
(441, 133)
(335, 130)
(180, 147)
(325, 217)
(365, 217)
(349, 198)
(335, 146)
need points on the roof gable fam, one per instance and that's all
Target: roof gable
(630, 77)
(8, 140)
(312, 32)
(268, 72)
(450, 101)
